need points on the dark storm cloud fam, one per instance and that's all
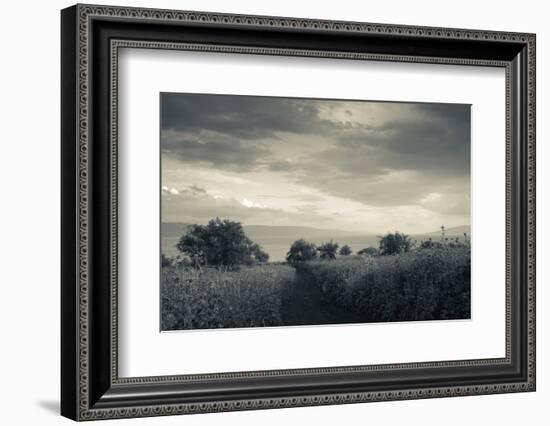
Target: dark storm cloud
(219, 150)
(438, 143)
(281, 166)
(441, 141)
(242, 117)
(230, 131)
(393, 155)
(399, 161)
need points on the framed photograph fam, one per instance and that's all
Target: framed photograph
(263, 212)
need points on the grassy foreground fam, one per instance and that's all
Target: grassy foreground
(423, 284)
(428, 284)
(211, 298)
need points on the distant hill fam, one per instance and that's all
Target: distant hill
(455, 231)
(171, 230)
(294, 231)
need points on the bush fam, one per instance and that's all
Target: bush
(210, 298)
(345, 250)
(327, 251)
(259, 254)
(394, 243)
(425, 283)
(418, 285)
(301, 251)
(368, 251)
(430, 244)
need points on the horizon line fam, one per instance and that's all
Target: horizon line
(437, 229)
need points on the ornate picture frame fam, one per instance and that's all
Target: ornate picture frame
(91, 37)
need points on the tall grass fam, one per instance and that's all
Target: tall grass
(212, 298)
(422, 284)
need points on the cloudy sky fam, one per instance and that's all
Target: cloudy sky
(369, 167)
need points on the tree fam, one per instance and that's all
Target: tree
(345, 250)
(301, 251)
(394, 243)
(220, 243)
(368, 251)
(259, 254)
(328, 250)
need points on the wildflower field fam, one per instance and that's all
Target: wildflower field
(425, 284)
(421, 284)
(214, 298)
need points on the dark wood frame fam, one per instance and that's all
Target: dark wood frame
(91, 37)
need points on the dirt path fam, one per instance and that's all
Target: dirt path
(305, 306)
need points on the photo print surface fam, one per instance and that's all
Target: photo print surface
(290, 211)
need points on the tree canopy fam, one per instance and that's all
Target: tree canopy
(345, 250)
(394, 243)
(301, 251)
(328, 250)
(220, 243)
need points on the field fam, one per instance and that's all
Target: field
(213, 298)
(422, 284)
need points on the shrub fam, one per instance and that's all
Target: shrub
(345, 250)
(418, 285)
(259, 254)
(430, 244)
(211, 298)
(368, 251)
(327, 251)
(301, 251)
(394, 243)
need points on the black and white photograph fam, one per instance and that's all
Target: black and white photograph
(264, 207)
(283, 211)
